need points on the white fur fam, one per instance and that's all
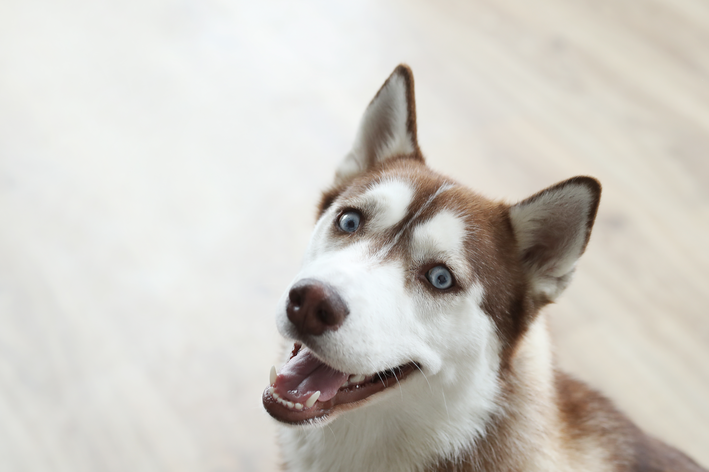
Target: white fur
(434, 413)
(382, 131)
(391, 106)
(567, 209)
(441, 239)
(444, 233)
(540, 436)
(390, 199)
(444, 410)
(415, 218)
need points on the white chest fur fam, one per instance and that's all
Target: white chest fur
(403, 431)
(374, 440)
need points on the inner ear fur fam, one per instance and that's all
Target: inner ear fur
(387, 128)
(552, 229)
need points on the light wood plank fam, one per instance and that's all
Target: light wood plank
(160, 163)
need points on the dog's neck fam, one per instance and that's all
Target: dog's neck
(515, 426)
(525, 434)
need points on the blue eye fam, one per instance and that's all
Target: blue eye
(349, 221)
(440, 277)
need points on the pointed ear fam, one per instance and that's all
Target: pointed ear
(387, 129)
(552, 229)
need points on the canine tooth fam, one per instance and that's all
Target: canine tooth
(313, 398)
(298, 406)
(356, 378)
(273, 374)
(345, 384)
(290, 404)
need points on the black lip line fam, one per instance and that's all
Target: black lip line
(297, 346)
(325, 409)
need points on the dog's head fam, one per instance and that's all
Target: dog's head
(410, 274)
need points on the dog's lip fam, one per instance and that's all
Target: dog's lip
(347, 397)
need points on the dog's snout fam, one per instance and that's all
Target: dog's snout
(314, 307)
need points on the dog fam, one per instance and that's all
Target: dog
(419, 344)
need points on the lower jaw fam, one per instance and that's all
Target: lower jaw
(347, 398)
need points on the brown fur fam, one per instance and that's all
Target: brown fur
(585, 416)
(492, 244)
(557, 420)
(581, 415)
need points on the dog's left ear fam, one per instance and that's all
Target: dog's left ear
(552, 230)
(387, 129)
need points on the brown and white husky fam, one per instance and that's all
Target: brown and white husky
(419, 344)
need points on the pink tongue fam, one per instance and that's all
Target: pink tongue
(304, 375)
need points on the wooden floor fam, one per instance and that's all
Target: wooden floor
(160, 162)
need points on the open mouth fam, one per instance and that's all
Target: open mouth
(307, 389)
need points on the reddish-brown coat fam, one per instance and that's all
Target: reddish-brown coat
(578, 414)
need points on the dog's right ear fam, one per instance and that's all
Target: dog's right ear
(387, 129)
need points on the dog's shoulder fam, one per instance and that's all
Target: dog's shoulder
(653, 455)
(586, 413)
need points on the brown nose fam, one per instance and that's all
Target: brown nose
(314, 307)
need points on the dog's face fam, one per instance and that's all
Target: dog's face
(410, 274)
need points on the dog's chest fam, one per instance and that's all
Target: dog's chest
(351, 444)
(381, 438)
(376, 441)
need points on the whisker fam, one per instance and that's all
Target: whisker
(446, 405)
(331, 430)
(397, 381)
(424, 376)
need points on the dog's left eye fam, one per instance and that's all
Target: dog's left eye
(349, 221)
(440, 277)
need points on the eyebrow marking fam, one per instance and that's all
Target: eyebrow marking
(390, 198)
(381, 253)
(444, 233)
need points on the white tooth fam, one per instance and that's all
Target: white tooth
(298, 406)
(345, 384)
(290, 404)
(273, 374)
(313, 398)
(275, 395)
(356, 378)
(271, 390)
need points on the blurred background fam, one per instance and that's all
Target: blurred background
(160, 162)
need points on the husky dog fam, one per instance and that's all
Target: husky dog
(419, 344)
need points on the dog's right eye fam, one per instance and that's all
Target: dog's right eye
(440, 277)
(349, 221)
